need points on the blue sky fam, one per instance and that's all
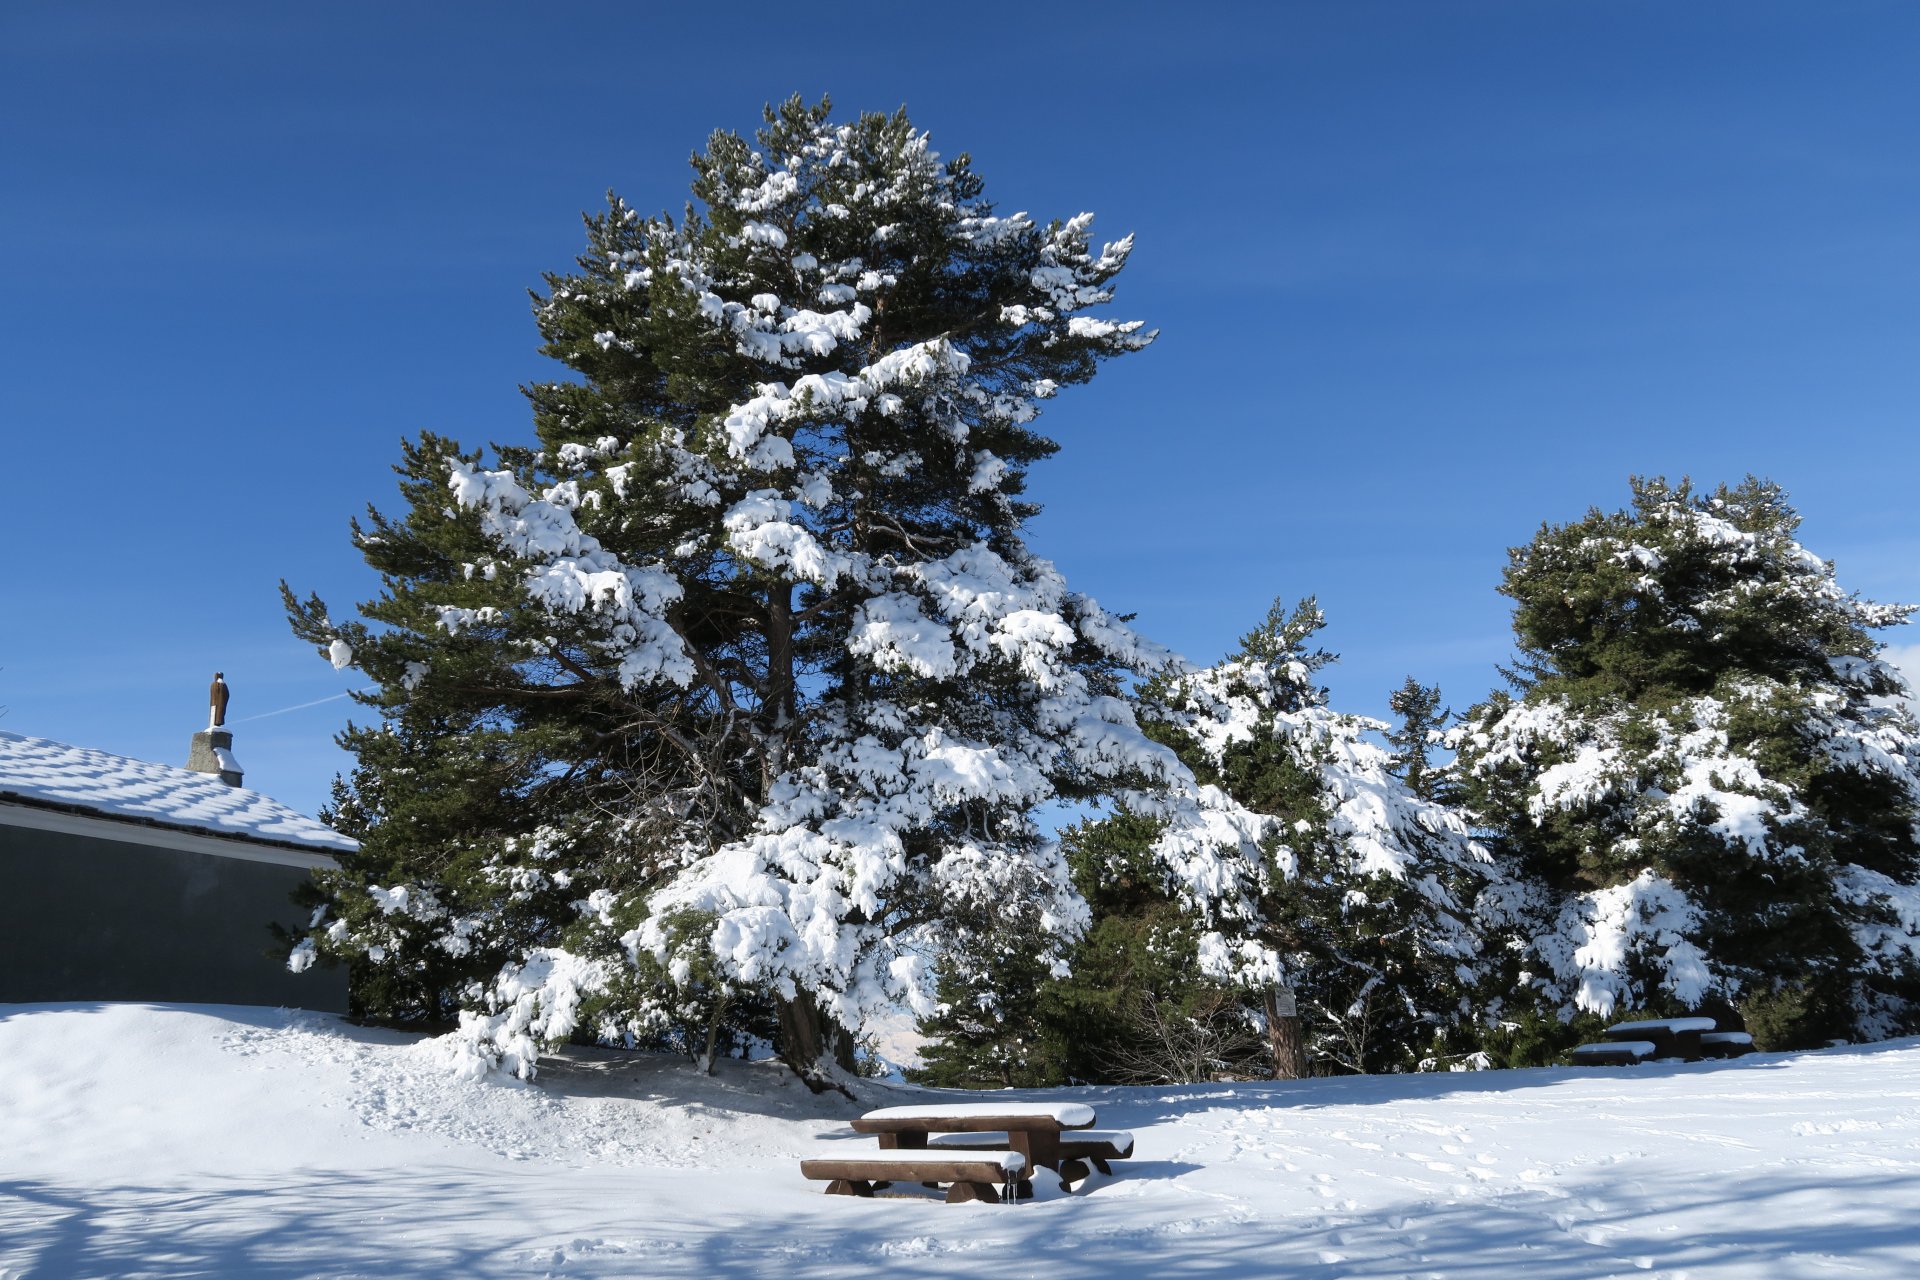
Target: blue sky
(1428, 274)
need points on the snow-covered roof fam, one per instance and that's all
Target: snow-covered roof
(40, 771)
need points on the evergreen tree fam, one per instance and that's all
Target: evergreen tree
(1359, 928)
(1423, 719)
(745, 670)
(1129, 1004)
(987, 1030)
(1136, 1006)
(1700, 774)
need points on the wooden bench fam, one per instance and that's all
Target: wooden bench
(1613, 1053)
(1077, 1148)
(1725, 1044)
(977, 1177)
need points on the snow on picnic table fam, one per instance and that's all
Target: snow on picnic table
(1068, 1114)
(141, 1141)
(1672, 1026)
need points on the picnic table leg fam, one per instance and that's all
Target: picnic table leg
(1039, 1146)
(960, 1192)
(850, 1187)
(1072, 1171)
(903, 1141)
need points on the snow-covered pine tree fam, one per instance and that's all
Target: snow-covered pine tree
(795, 681)
(1364, 892)
(1422, 727)
(1703, 772)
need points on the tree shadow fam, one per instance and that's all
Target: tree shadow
(1759, 1230)
(414, 1223)
(288, 1228)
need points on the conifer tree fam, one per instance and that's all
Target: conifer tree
(759, 680)
(1423, 720)
(1361, 929)
(1700, 772)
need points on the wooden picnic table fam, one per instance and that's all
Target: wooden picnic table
(1032, 1129)
(950, 1144)
(1689, 1039)
(1670, 1037)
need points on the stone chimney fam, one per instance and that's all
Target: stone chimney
(212, 750)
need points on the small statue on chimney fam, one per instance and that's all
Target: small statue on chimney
(212, 749)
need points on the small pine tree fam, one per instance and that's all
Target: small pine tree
(1423, 720)
(1136, 1007)
(1361, 917)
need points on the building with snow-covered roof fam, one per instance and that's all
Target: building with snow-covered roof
(129, 880)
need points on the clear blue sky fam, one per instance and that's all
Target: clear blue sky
(1428, 274)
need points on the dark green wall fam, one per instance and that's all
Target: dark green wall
(83, 918)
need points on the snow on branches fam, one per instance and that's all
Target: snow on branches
(1362, 899)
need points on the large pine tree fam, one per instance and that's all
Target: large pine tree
(745, 680)
(1702, 773)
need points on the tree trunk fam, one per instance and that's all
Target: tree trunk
(810, 1041)
(714, 1020)
(778, 709)
(1283, 1036)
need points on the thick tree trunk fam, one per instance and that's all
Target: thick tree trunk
(810, 1042)
(1283, 1036)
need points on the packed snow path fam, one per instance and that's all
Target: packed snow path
(222, 1142)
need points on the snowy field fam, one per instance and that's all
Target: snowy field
(214, 1141)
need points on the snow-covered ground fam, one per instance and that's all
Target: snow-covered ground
(215, 1141)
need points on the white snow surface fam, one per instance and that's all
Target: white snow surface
(216, 1142)
(121, 787)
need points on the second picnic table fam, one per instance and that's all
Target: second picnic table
(1689, 1039)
